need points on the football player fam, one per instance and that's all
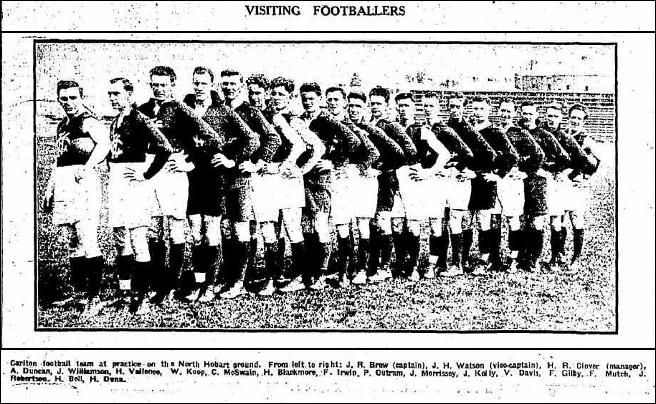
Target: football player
(354, 187)
(299, 152)
(391, 158)
(389, 202)
(240, 194)
(489, 227)
(577, 114)
(559, 184)
(475, 188)
(419, 186)
(131, 134)
(207, 180)
(73, 192)
(536, 186)
(449, 184)
(183, 129)
(511, 187)
(339, 142)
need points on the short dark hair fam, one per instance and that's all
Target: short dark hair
(380, 91)
(459, 96)
(311, 87)
(336, 89)
(127, 84)
(283, 82)
(204, 70)
(527, 103)
(163, 71)
(403, 96)
(259, 80)
(358, 95)
(579, 107)
(480, 98)
(230, 73)
(431, 94)
(64, 84)
(506, 99)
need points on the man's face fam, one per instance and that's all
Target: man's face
(456, 108)
(378, 106)
(576, 120)
(280, 98)
(507, 113)
(480, 111)
(118, 96)
(202, 86)
(335, 102)
(356, 108)
(406, 109)
(257, 96)
(310, 101)
(70, 100)
(554, 117)
(530, 113)
(162, 87)
(231, 86)
(432, 109)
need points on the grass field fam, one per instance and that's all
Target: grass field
(523, 301)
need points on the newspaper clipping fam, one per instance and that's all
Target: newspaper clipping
(397, 201)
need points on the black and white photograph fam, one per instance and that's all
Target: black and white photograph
(325, 185)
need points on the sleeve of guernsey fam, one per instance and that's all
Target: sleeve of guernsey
(396, 133)
(369, 151)
(454, 144)
(387, 147)
(249, 141)
(327, 128)
(553, 151)
(578, 160)
(316, 147)
(483, 152)
(199, 127)
(531, 155)
(507, 156)
(158, 142)
(271, 140)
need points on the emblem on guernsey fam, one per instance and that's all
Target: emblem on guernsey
(63, 143)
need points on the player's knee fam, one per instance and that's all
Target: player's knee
(514, 223)
(242, 231)
(578, 221)
(177, 234)
(397, 225)
(269, 232)
(342, 230)
(538, 223)
(295, 234)
(213, 231)
(122, 241)
(156, 228)
(364, 228)
(435, 225)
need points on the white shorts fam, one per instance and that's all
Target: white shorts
(169, 195)
(557, 195)
(75, 201)
(576, 197)
(421, 199)
(129, 201)
(364, 195)
(269, 194)
(342, 209)
(510, 197)
(458, 193)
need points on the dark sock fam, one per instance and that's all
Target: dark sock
(95, 268)
(176, 262)
(363, 255)
(241, 254)
(515, 240)
(539, 245)
(270, 260)
(375, 241)
(141, 277)
(434, 245)
(562, 240)
(467, 241)
(299, 261)
(157, 265)
(555, 244)
(442, 250)
(200, 260)
(399, 248)
(124, 264)
(213, 253)
(484, 241)
(78, 277)
(386, 247)
(227, 265)
(252, 260)
(324, 252)
(578, 243)
(495, 245)
(344, 248)
(311, 257)
(456, 249)
(414, 246)
(280, 263)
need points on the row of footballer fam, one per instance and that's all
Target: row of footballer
(220, 164)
